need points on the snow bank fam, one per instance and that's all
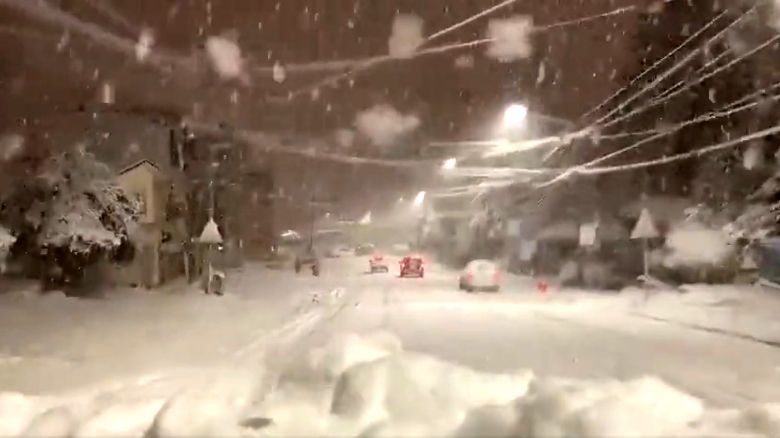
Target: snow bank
(407, 394)
(384, 125)
(368, 386)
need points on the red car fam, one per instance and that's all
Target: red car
(412, 266)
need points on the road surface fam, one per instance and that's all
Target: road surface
(564, 334)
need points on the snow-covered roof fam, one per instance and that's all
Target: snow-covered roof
(138, 164)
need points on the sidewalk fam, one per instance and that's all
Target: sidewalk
(750, 312)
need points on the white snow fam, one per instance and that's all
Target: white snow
(178, 373)
(225, 56)
(511, 38)
(143, 47)
(409, 394)
(406, 36)
(384, 125)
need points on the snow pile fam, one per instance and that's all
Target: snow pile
(693, 244)
(641, 407)
(384, 125)
(211, 409)
(384, 391)
(143, 47)
(407, 35)
(511, 38)
(225, 57)
(368, 386)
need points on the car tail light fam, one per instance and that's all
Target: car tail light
(497, 274)
(469, 275)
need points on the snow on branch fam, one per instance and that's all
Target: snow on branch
(87, 209)
(701, 79)
(655, 64)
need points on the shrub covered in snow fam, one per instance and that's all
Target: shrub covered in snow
(71, 212)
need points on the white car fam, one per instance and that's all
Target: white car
(481, 275)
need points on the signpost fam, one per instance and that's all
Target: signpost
(211, 237)
(645, 229)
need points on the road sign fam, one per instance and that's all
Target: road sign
(210, 233)
(645, 227)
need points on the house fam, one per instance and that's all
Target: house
(158, 234)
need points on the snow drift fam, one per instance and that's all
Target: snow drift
(369, 386)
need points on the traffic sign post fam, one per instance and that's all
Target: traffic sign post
(211, 237)
(645, 229)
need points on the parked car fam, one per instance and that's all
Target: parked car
(377, 263)
(480, 275)
(412, 266)
(364, 249)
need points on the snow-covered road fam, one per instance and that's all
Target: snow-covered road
(143, 357)
(563, 333)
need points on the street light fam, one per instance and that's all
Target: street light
(449, 164)
(419, 199)
(515, 114)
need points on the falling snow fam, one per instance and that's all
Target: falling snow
(144, 45)
(384, 125)
(407, 35)
(225, 57)
(511, 38)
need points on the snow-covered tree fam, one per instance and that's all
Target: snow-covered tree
(761, 218)
(71, 212)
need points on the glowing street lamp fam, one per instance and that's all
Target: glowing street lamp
(515, 114)
(449, 164)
